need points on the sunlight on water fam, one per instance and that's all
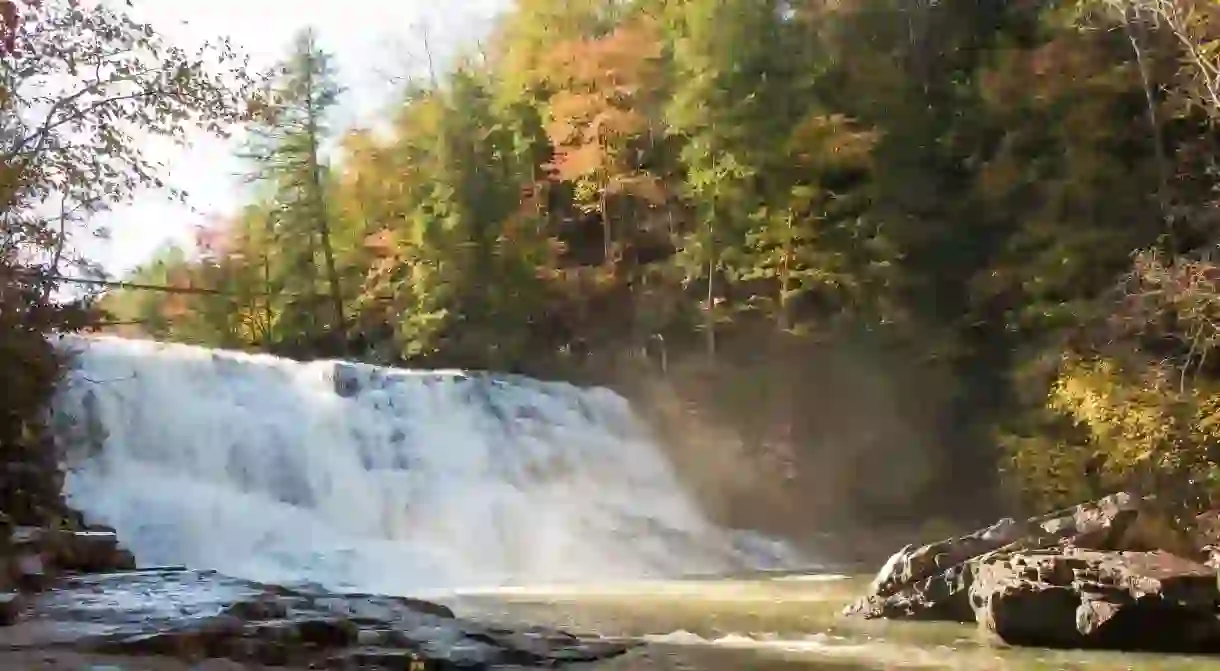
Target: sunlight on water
(783, 623)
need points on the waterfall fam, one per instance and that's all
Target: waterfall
(367, 478)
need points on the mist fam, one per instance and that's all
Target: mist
(833, 446)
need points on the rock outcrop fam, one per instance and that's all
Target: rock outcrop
(1087, 599)
(32, 557)
(202, 614)
(81, 590)
(1113, 573)
(68, 585)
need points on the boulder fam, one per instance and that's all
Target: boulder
(913, 564)
(91, 552)
(71, 551)
(29, 572)
(940, 596)
(1113, 573)
(930, 582)
(11, 604)
(1084, 598)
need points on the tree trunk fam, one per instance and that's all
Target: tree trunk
(1158, 145)
(710, 317)
(332, 274)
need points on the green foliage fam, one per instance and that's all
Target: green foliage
(78, 89)
(955, 189)
(286, 150)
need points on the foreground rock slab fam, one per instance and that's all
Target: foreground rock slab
(198, 615)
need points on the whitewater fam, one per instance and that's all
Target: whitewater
(374, 479)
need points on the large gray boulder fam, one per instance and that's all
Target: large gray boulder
(1085, 598)
(1111, 573)
(930, 581)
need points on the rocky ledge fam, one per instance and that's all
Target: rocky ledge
(1109, 574)
(196, 615)
(80, 591)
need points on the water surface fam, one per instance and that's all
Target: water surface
(784, 623)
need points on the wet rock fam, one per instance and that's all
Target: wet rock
(913, 564)
(940, 596)
(1082, 598)
(92, 552)
(1113, 573)
(11, 604)
(328, 632)
(930, 581)
(348, 379)
(72, 551)
(197, 614)
(30, 572)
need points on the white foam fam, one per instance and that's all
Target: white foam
(811, 577)
(369, 478)
(811, 643)
(819, 646)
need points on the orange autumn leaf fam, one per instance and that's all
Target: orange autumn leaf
(593, 117)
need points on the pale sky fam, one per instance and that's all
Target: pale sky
(372, 40)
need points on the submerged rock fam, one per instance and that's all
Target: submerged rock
(202, 614)
(1112, 573)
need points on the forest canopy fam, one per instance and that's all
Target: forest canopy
(883, 256)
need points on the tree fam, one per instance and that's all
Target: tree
(76, 145)
(597, 117)
(79, 92)
(785, 215)
(286, 148)
(736, 98)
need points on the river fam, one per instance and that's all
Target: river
(780, 623)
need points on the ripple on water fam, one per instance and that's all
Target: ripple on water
(783, 623)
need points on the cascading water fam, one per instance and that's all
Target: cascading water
(366, 478)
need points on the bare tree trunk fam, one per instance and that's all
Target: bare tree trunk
(425, 38)
(710, 316)
(320, 209)
(267, 315)
(1178, 15)
(785, 276)
(1162, 162)
(59, 247)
